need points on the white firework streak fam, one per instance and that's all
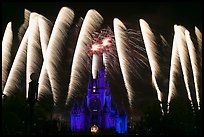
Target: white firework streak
(105, 60)
(24, 26)
(34, 52)
(175, 64)
(91, 23)
(199, 41)
(96, 64)
(121, 44)
(44, 88)
(194, 64)
(7, 44)
(164, 42)
(183, 55)
(150, 45)
(54, 55)
(18, 70)
(45, 28)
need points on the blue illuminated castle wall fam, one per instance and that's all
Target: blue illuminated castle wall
(97, 108)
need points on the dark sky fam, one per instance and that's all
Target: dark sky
(160, 15)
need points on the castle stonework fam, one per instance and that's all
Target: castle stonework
(97, 110)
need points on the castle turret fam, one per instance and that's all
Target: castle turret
(75, 117)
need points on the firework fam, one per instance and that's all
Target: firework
(152, 53)
(24, 26)
(34, 52)
(91, 23)
(44, 88)
(199, 41)
(175, 64)
(7, 43)
(45, 28)
(16, 78)
(55, 55)
(103, 43)
(194, 64)
(121, 43)
(184, 58)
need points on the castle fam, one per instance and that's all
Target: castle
(97, 110)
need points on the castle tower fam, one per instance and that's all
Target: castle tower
(76, 118)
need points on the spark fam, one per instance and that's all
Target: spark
(106, 42)
(95, 48)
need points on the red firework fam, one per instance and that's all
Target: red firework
(101, 46)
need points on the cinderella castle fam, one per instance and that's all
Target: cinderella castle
(97, 110)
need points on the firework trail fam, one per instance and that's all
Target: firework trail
(199, 41)
(91, 23)
(34, 52)
(184, 57)
(152, 53)
(121, 43)
(55, 54)
(96, 64)
(194, 64)
(137, 54)
(45, 28)
(105, 59)
(16, 78)
(175, 64)
(7, 43)
(24, 26)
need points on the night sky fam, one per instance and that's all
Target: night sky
(162, 16)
